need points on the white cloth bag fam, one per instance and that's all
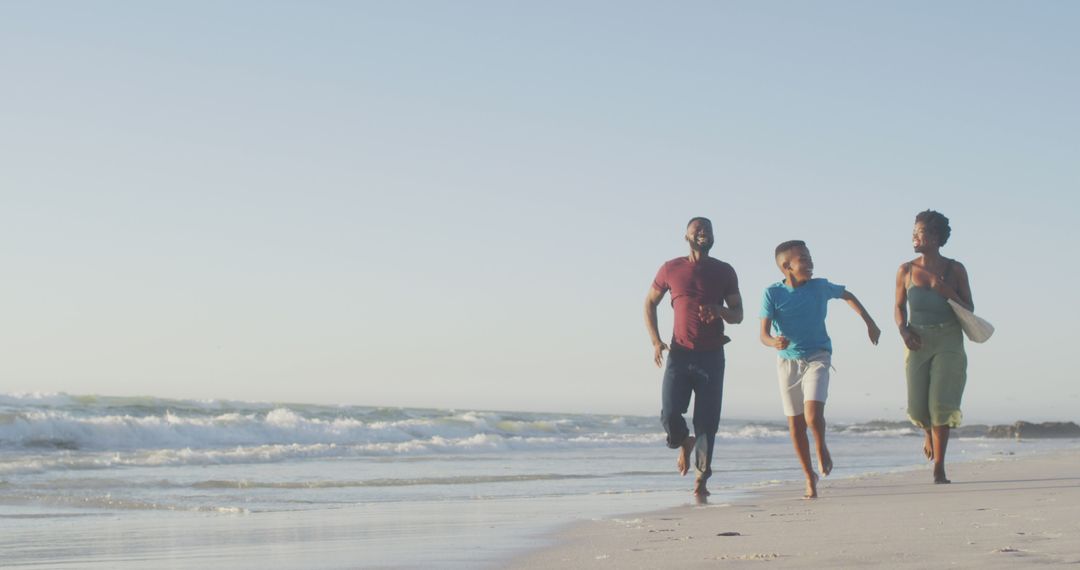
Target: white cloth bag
(975, 327)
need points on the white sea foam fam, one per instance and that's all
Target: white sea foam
(46, 431)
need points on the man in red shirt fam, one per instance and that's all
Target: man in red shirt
(704, 294)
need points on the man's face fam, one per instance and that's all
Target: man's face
(699, 235)
(800, 263)
(922, 238)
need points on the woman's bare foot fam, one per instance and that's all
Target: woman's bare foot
(825, 462)
(811, 486)
(699, 488)
(683, 462)
(939, 474)
(928, 447)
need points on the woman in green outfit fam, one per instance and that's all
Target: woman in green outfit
(935, 362)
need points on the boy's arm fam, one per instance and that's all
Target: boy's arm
(777, 342)
(871, 327)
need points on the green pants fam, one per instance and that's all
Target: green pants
(936, 374)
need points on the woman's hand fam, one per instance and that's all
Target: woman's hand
(911, 338)
(940, 286)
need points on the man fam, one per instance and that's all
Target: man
(704, 294)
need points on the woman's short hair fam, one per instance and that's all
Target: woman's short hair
(935, 223)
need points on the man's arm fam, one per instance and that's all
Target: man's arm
(777, 342)
(871, 327)
(731, 311)
(652, 299)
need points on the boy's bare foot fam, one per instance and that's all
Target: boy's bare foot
(825, 463)
(683, 462)
(928, 448)
(811, 486)
(939, 474)
(699, 488)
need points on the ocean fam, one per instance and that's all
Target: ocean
(116, 482)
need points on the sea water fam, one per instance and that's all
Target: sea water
(109, 482)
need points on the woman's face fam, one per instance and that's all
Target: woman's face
(922, 238)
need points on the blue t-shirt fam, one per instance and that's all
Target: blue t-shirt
(799, 315)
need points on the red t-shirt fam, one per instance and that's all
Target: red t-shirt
(706, 282)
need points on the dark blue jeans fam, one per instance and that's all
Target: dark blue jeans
(700, 373)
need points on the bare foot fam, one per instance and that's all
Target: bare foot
(683, 462)
(928, 448)
(939, 474)
(811, 486)
(825, 463)
(699, 489)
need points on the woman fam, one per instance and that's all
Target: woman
(935, 362)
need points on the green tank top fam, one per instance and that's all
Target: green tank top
(925, 307)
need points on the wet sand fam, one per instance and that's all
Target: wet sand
(1000, 513)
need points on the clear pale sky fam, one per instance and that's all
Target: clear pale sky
(463, 204)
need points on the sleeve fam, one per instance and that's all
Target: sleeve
(660, 282)
(834, 291)
(768, 310)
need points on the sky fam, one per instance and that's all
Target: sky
(463, 204)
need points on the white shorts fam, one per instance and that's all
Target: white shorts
(803, 380)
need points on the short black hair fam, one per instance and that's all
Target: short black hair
(788, 245)
(936, 223)
(698, 219)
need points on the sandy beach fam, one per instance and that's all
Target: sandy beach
(999, 513)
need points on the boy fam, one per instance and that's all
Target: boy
(795, 308)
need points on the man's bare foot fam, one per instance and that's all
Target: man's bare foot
(825, 463)
(699, 488)
(683, 462)
(939, 474)
(928, 448)
(811, 486)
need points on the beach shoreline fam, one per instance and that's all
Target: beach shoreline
(997, 513)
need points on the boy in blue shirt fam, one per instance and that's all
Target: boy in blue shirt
(795, 309)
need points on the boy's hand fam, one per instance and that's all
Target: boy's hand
(708, 313)
(780, 342)
(911, 340)
(658, 353)
(874, 332)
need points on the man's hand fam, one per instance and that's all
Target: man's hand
(874, 332)
(780, 342)
(911, 339)
(658, 353)
(709, 313)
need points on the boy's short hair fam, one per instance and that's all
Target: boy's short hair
(788, 245)
(698, 219)
(936, 223)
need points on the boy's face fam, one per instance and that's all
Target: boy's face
(799, 263)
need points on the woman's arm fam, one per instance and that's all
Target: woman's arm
(911, 340)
